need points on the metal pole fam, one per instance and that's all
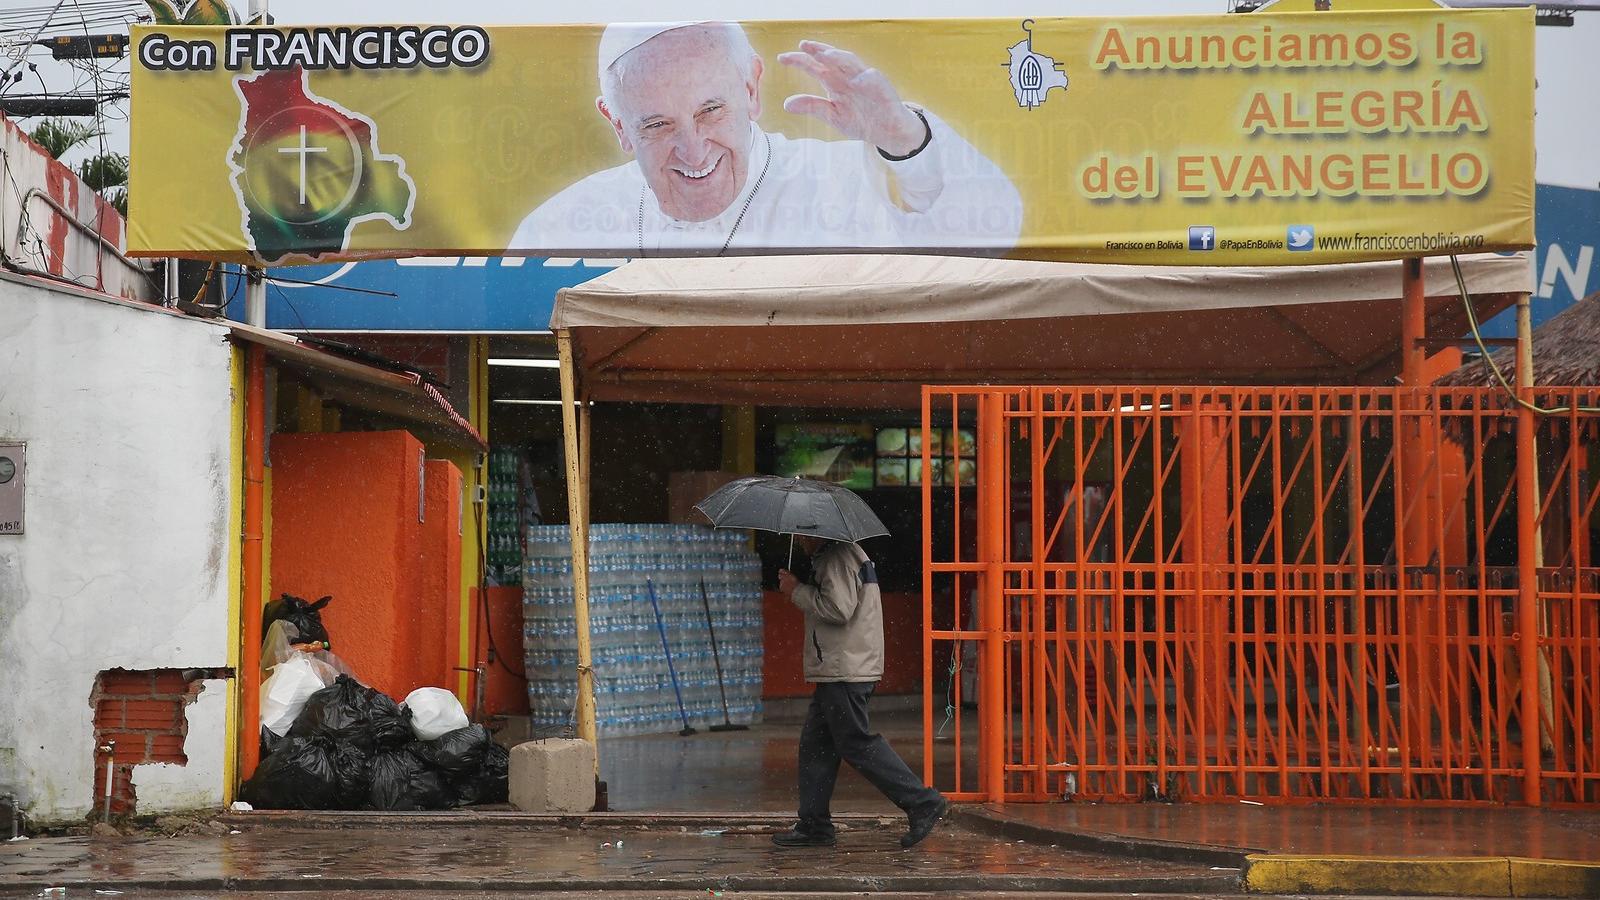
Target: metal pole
(1413, 323)
(255, 451)
(1527, 561)
(255, 297)
(109, 748)
(991, 551)
(169, 288)
(577, 506)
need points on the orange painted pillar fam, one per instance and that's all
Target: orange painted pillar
(992, 478)
(436, 619)
(1416, 439)
(1417, 484)
(255, 453)
(1204, 485)
(348, 521)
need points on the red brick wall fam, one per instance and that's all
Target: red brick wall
(142, 711)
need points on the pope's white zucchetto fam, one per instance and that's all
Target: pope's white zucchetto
(621, 38)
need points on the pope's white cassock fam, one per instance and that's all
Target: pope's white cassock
(799, 196)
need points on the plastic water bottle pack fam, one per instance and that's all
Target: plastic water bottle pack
(693, 571)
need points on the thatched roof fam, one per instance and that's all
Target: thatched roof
(1566, 352)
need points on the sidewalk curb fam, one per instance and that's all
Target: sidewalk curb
(803, 884)
(730, 821)
(1475, 876)
(983, 821)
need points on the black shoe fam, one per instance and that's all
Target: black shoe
(922, 824)
(795, 837)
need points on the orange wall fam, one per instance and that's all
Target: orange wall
(505, 694)
(345, 522)
(783, 638)
(436, 619)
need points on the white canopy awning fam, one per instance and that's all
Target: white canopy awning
(866, 330)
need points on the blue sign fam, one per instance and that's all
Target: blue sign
(440, 293)
(1566, 267)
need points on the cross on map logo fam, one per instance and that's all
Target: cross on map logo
(1032, 74)
(306, 170)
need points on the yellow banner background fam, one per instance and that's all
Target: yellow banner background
(485, 145)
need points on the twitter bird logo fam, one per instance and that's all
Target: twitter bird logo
(1301, 237)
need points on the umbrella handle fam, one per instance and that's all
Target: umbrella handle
(790, 566)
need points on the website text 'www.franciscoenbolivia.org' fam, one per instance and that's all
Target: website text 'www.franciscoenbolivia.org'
(1304, 238)
(1439, 240)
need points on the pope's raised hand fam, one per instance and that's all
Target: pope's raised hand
(860, 101)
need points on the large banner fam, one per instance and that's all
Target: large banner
(1225, 140)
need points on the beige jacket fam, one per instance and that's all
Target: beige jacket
(844, 616)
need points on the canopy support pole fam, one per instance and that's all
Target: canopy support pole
(585, 447)
(577, 514)
(1530, 551)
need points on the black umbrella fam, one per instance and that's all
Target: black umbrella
(792, 506)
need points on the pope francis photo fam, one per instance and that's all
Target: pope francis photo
(684, 99)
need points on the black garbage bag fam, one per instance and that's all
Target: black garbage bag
(490, 784)
(391, 723)
(458, 753)
(299, 774)
(348, 712)
(352, 773)
(402, 781)
(305, 617)
(269, 742)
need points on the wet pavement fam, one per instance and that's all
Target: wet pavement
(751, 770)
(532, 859)
(1564, 834)
(581, 895)
(755, 771)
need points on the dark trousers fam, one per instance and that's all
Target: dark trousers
(837, 729)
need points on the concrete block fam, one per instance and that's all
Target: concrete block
(553, 775)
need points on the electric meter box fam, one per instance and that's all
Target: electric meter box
(13, 467)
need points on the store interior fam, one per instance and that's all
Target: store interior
(651, 462)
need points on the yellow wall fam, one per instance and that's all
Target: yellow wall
(230, 756)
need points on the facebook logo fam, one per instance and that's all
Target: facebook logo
(1202, 237)
(1300, 238)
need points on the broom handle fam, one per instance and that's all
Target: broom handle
(716, 655)
(668, 651)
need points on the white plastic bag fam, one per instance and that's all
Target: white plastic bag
(434, 712)
(284, 694)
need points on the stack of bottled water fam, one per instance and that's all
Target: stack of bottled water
(633, 685)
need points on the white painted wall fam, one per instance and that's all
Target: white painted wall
(36, 236)
(164, 787)
(126, 412)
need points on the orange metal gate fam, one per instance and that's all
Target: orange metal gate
(1281, 594)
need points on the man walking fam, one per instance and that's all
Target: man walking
(844, 659)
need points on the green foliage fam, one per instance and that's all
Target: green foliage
(107, 174)
(104, 171)
(60, 136)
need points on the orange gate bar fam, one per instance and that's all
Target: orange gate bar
(1287, 594)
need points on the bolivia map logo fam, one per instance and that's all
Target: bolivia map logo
(1032, 74)
(306, 170)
